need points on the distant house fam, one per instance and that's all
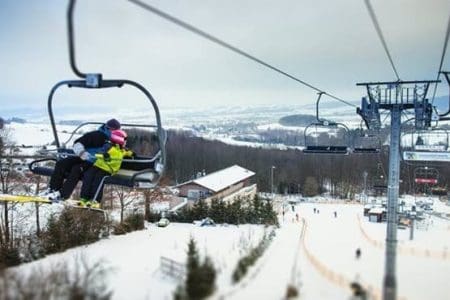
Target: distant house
(221, 184)
(377, 214)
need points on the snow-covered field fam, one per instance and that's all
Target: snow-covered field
(317, 256)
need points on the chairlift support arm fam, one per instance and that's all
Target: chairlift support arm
(447, 78)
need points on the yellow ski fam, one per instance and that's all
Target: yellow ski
(23, 199)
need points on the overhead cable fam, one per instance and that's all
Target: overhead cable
(224, 44)
(444, 49)
(380, 35)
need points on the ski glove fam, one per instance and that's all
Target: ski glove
(78, 149)
(86, 156)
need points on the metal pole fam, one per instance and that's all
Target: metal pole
(365, 181)
(390, 284)
(271, 179)
(411, 229)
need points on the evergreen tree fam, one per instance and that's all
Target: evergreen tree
(268, 214)
(200, 210)
(200, 279)
(193, 266)
(217, 211)
(310, 187)
(234, 214)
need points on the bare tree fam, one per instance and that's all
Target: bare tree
(126, 197)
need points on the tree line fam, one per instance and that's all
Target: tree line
(294, 172)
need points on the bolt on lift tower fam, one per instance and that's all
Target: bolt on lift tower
(396, 97)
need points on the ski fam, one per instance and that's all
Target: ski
(37, 199)
(24, 199)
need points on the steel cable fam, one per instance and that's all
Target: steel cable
(380, 35)
(224, 44)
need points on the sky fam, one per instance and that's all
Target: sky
(331, 45)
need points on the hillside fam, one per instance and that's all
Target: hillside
(297, 120)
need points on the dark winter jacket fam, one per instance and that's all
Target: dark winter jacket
(93, 141)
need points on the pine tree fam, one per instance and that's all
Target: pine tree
(193, 266)
(200, 279)
(217, 211)
(200, 209)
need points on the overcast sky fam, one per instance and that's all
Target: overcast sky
(329, 44)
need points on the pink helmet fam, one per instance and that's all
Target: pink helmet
(118, 136)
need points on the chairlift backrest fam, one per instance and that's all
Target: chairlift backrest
(366, 142)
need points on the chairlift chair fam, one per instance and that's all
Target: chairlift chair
(325, 137)
(425, 177)
(426, 145)
(145, 170)
(366, 142)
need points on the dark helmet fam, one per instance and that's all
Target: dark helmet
(113, 124)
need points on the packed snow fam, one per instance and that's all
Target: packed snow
(313, 251)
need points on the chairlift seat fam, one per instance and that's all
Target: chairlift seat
(137, 172)
(366, 150)
(326, 150)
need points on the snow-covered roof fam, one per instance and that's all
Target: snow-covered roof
(224, 178)
(377, 210)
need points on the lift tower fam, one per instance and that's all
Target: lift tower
(396, 96)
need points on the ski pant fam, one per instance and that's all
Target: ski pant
(93, 180)
(67, 173)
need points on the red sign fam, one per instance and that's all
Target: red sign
(426, 180)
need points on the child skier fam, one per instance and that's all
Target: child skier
(106, 163)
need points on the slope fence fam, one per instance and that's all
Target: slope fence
(332, 276)
(404, 250)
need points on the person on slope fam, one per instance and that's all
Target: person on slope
(106, 163)
(68, 171)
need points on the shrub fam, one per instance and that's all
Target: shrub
(9, 256)
(250, 259)
(132, 222)
(73, 228)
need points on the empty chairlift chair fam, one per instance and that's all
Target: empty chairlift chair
(366, 142)
(426, 145)
(325, 137)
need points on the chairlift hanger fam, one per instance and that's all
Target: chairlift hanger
(325, 148)
(447, 78)
(144, 170)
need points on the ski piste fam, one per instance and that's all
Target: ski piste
(36, 199)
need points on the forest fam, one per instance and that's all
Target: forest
(295, 172)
